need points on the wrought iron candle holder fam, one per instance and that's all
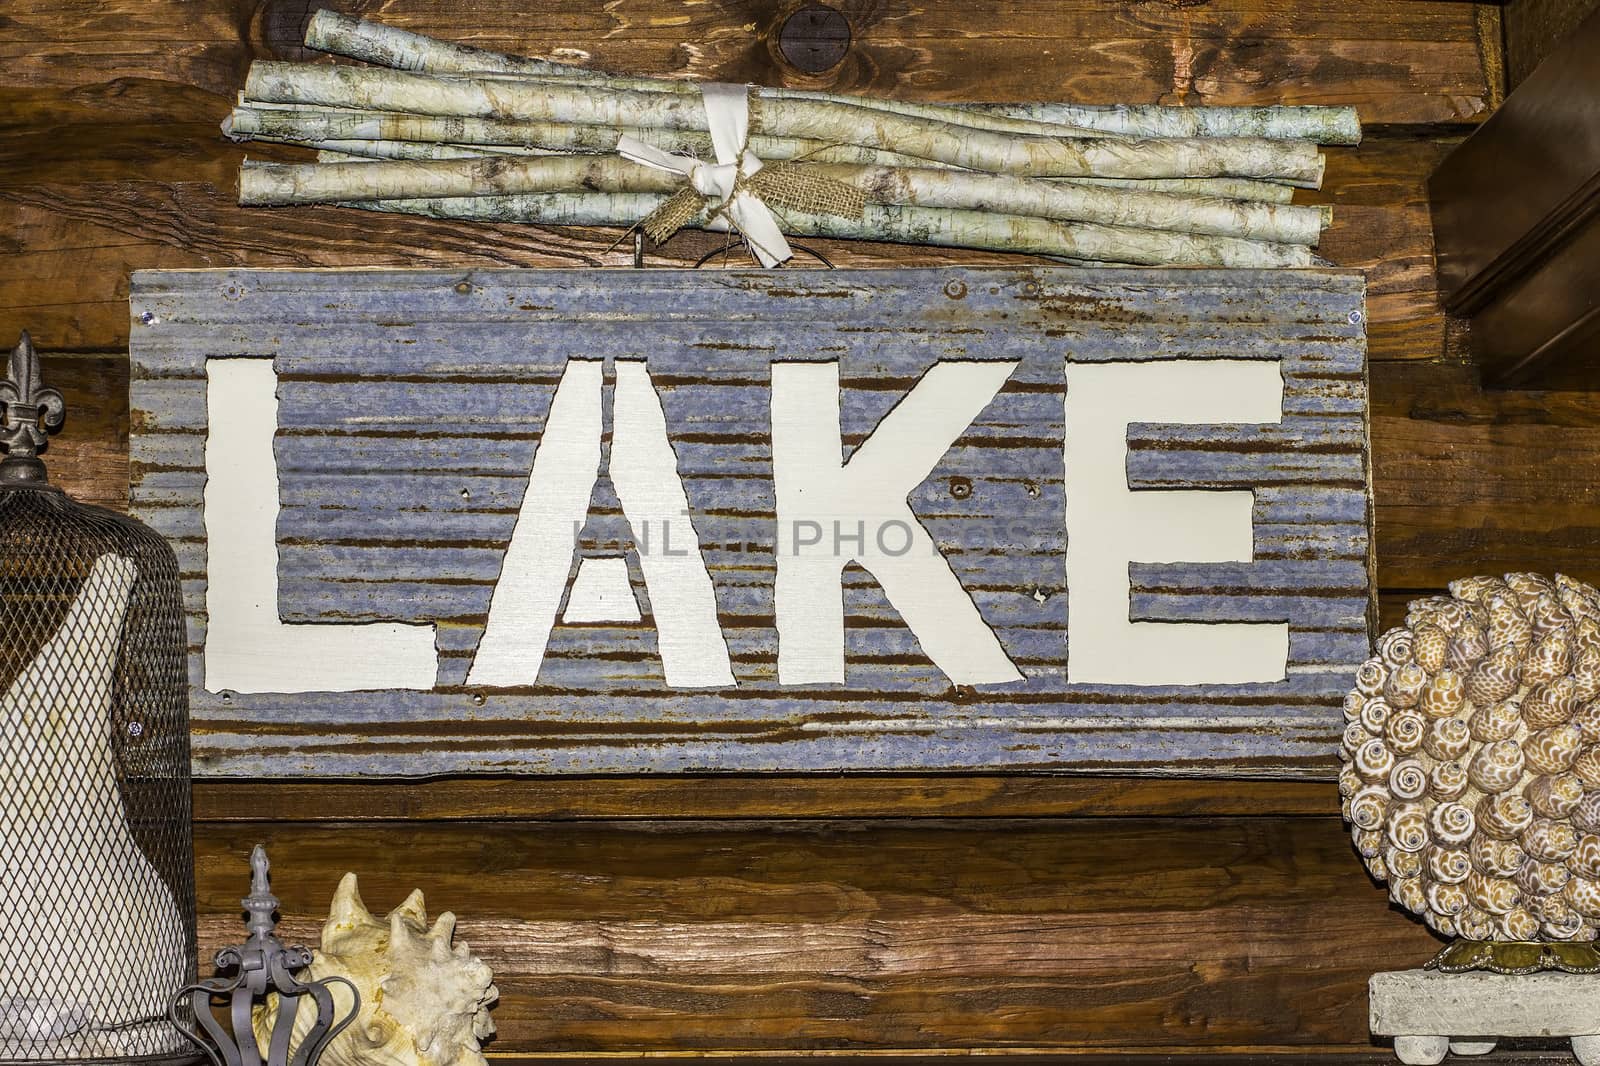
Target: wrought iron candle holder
(96, 860)
(261, 966)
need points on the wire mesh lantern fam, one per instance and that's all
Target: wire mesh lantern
(96, 856)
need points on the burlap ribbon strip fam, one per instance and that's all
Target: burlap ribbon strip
(738, 190)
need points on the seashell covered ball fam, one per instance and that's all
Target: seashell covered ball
(425, 997)
(1471, 760)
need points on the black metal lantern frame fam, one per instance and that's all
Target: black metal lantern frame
(97, 903)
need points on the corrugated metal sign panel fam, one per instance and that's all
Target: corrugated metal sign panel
(720, 413)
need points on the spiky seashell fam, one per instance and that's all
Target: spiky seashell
(1408, 780)
(1452, 824)
(1405, 685)
(1375, 715)
(1449, 866)
(1496, 721)
(1518, 923)
(1404, 732)
(424, 1001)
(1471, 758)
(1447, 739)
(1554, 797)
(1553, 750)
(1446, 781)
(1495, 767)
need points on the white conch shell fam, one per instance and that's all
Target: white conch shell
(424, 1002)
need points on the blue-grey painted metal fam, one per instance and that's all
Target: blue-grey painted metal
(411, 404)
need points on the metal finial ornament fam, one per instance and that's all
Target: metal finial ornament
(262, 966)
(30, 411)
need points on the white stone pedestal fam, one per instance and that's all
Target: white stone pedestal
(1430, 1014)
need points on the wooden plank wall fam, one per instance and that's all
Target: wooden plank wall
(796, 914)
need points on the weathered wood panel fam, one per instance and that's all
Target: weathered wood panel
(1119, 933)
(390, 514)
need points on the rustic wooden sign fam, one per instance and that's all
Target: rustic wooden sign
(639, 520)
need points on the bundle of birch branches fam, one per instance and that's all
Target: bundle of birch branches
(447, 131)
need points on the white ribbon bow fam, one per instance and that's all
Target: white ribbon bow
(728, 117)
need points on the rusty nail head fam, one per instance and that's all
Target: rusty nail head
(148, 318)
(955, 288)
(960, 487)
(1030, 288)
(463, 287)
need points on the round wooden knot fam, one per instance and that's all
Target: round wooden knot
(814, 39)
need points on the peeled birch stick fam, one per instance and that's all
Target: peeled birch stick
(371, 42)
(295, 124)
(905, 225)
(1211, 188)
(589, 104)
(306, 183)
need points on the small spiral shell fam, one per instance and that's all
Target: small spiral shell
(1496, 858)
(1374, 760)
(1516, 924)
(1495, 768)
(1554, 797)
(1447, 739)
(1587, 719)
(1408, 826)
(1525, 588)
(1369, 807)
(1553, 750)
(1375, 715)
(1474, 924)
(1448, 866)
(1574, 598)
(1548, 660)
(1493, 895)
(1371, 676)
(1446, 781)
(1557, 919)
(1404, 732)
(1444, 695)
(1496, 677)
(1368, 842)
(1452, 824)
(1429, 646)
(1353, 702)
(1508, 626)
(1549, 617)
(1446, 899)
(1475, 589)
(1377, 867)
(1408, 780)
(1585, 858)
(1355, 735)
(1586, 635)
(1548, 840)
(1407, 891)
(1586, 674)
(1504, 816)
(1538, 878)
(1394, 647)
(1468, 648)
(1403, 863)
(1586, 767)
(1349, 781)
(1583, 896)
(1405, 685)
(1585, 817)
(1492, 722)
(1549, 704)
